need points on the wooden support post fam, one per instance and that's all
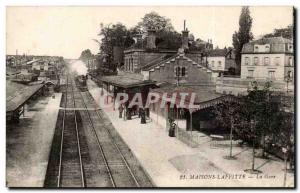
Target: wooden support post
(107, 91)
(177, 121)
(167, 117)
(156, 112)
(113, 98)
(191, 124)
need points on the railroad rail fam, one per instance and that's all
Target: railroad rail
(112, 157)
(85, 151)
(67, 176)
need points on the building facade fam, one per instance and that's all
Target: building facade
(268, 58)
(264, 60)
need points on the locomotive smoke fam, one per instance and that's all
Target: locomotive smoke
(79, 67)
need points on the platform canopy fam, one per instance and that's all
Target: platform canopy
(17, 94)
(205, 95)
(127, 80)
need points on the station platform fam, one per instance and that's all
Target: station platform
(29, 143)
(171, 163)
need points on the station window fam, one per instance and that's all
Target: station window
(177, 71)
(183, 71)
(180, 71)
(219, 63)
(212, 63)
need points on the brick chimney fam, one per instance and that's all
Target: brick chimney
(137, 38)
(151, 38)
(185, 37)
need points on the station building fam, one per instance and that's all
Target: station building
(210, 73)
(155, 69)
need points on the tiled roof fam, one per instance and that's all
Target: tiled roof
(203, 93)
(217, 52)
(272, 40)
(277, 45)
(174, 58)
(156, 62)
(127, 80)
(17, 94)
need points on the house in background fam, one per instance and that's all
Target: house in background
(268, 58)
(263, 60)
(222, 60)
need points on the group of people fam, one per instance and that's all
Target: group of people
(128, 112)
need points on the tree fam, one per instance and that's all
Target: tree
(113, 35)
(227, 116)
(283, 137)
(286, 32)
(256, 114)
(86, 55)
(168, 39)
(166, 36)
(154, 20)
(244, 34)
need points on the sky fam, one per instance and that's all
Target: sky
(67, 31)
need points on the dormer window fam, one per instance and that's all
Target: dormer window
(262, 48)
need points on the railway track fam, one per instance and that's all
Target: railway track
(70, 173)
(117, 167)
(84, 152)
(65, 167)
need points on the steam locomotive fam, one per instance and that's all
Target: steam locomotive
(81, 82)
